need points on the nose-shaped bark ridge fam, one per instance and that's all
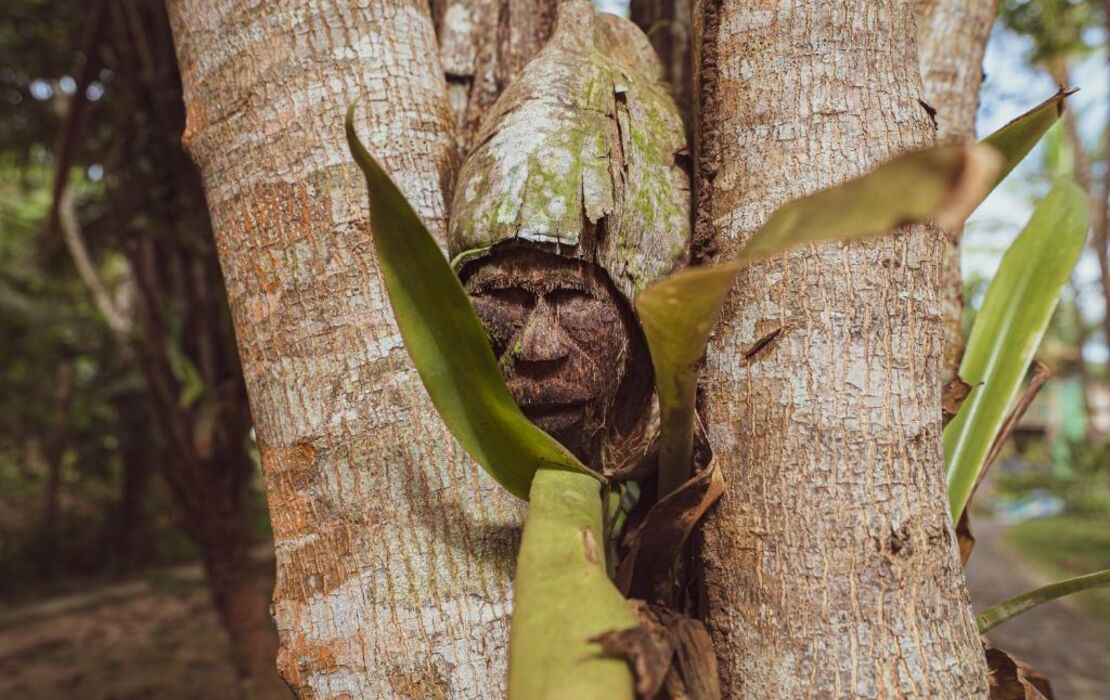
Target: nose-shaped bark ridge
(542, 339)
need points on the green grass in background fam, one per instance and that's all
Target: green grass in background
(1068, 546)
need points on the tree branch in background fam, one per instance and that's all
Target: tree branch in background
(118, 322)
(65, 148)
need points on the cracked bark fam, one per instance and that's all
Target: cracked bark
(483, 46)
(951, 37)
(394, 551)
(831, 566)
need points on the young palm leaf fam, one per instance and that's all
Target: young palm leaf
(1017, 138)
(447, 342)
(1015, 312)
(995, 615)
(679, 313)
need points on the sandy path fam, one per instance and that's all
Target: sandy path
(1061, 639)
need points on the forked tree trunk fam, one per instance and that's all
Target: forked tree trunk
(951, 38)
(393, 549)
(830, 564)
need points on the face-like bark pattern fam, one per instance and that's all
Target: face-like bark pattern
(563, 337)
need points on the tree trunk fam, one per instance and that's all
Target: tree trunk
(1097, 195)
(242, 608)
(667, 24)
(54, 453)
(136, 449)
(483, 46)
(393, 550)
(830, 564)
(951, 38)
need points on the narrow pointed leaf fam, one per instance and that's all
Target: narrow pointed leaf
(679, 313)
(1015, 312)
(563, 598)
(447, 342)
(995, 615)
(1017, 138)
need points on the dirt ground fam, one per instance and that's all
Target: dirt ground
(1061, 639)
(159, 638)
(149, 639)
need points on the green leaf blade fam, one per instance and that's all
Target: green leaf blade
(1012, 607)
(1017, 138)
(1016, 310)
(679, 313)
(447, 342)
(563, 597)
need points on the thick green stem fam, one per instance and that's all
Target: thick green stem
(676, 437)
(563, 597)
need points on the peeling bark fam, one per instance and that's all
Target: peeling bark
(483, 46)
(831, 565)
(393, 550)
(951, 38)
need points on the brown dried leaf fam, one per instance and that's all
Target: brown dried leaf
(1041, 374)
(965, 538)
(1012, 679)
(648, 648)
(656, 544)
(952, 396)
(695, 677)
(671, 656)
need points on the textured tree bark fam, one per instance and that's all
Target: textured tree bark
(667, 24)
(951, 38)
(483, 45)
(830, 564)
(393, 551)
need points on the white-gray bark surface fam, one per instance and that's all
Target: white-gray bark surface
(830, 563)
(394, 552)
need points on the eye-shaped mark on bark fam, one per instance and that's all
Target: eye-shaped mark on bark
(589, 546)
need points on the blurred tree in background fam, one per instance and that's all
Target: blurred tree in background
(120, 381)
(1063, 32)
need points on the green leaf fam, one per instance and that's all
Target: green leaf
(1015, 312)
(186, 373)
(995, 615)
(563, 597)
(447, 342)
(1015, 140)
(679, 313)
